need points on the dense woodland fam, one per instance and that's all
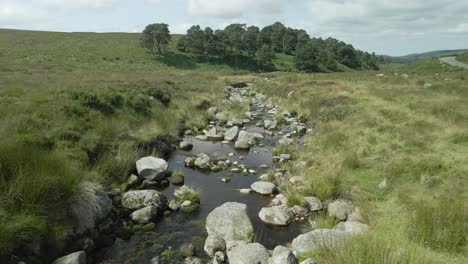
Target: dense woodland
(257, 48)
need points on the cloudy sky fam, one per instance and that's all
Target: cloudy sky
(394, 27)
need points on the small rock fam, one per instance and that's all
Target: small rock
(193, 260)
(132, 180)
(177, 179)
(427, 85)
(173, 205)
(383, 185)
(340, 209)
(214, 243)
(352, 227)
(186, 203)
(203, 161)
(144, 215)
(245, 191)
(317, 238)
(231, 133)
(187, 250)
(308, 261)
(314, 203)
(184, 145)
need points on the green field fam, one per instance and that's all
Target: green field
(84, 106)
(463, 57)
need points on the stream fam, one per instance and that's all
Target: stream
(177, 228)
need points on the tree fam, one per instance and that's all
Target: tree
(307, 57)
(209, 42)
(327, 60)
(156, 37)
(181, 42)
(264, 57)
(251, 40)
(301, 37)
(195, 40)
(235, 33)
(222, 41)
(347, 56)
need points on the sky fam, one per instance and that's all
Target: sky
(392, 27)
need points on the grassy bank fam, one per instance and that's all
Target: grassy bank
(367, 129)
(82, 107)
(463, 57)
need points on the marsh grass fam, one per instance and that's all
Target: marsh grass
(369, 249)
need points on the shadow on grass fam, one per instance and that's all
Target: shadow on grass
(177, 60)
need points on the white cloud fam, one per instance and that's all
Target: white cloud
(233, 8)
(461, 28)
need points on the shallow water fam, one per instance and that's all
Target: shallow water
(177, 228)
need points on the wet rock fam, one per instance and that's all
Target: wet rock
(132, 180)
(73, 258)
(235, 122)
(317, 238)
(203, 161)
(300, 211)
(314, 203)
(193, 260)
(308, 261)
(202, 137)
(231, 133)
(90, 206)
(286, 114)
(185, 145)
(144, 215)
(134, 200)
(189, 162)
(213, 244)
(151, 168)
(263, 187)
(173, 205)
(282, 255)
(231, 222)
(186, 203)
(252, 253)
(270, 124)
(245, 140)
(212, 134)
(187, 250)
(245, 191)
(177, 179)
(301, 130)
(352, 227)
(340, 209)
(285, 141)
(275, 215)
(218, 258)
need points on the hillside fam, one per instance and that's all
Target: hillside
(463, 57)
(432, 54)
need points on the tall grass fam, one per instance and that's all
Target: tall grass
(369, 249)
(439, 225)
(33, 179)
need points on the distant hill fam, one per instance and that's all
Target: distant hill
(431, 54)
(419, 56)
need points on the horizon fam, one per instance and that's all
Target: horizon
(394, 28)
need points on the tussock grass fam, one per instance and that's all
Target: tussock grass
(369, 249)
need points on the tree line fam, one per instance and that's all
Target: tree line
(242, 44)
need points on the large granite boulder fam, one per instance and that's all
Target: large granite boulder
(282, 255)
(231, 133)
(246, 139)
(340, 209)
(318, 238)
(263, 187)
(151, 168)
(203, 161)
(135, 200)
(73, 258)
(276, 215)
(230, 222)
(252, 253)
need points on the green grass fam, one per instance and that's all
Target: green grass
(367, 129)
(463, 57)
(369, 249)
